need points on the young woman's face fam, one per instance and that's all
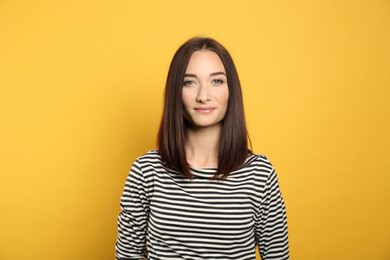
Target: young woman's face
(205, 89)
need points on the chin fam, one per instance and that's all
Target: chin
(205, 125)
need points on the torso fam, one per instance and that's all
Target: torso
(203, 218)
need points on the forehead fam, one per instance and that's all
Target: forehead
(205, 60)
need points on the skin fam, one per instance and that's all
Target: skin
(205, 99)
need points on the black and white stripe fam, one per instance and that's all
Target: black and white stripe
(177, 218)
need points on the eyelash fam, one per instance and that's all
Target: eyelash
(218, 81)
(214, 81)
(188, 82)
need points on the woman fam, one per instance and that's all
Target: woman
(203, 194)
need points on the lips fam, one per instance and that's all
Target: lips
(204, 110)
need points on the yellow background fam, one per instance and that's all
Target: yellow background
(81, 97)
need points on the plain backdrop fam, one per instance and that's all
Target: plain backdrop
(81, 85)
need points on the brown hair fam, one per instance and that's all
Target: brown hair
(233, 148)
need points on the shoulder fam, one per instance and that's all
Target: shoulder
(258, 161)
(149, 157)
(256, 168)
(144, 167)
(148, 162)
(260, 166)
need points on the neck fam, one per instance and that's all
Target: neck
(202, 146)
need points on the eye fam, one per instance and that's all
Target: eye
(188, 83)
(217, 81)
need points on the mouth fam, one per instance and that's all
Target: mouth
(204, 110)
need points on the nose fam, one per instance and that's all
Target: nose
(203, 94)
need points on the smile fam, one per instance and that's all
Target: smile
(205, 110)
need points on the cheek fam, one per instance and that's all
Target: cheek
(185, 99)
(224, 96)
(186, 104)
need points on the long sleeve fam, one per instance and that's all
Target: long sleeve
(271, 229)
(132, 220)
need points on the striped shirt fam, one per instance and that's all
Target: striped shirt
(166, 216)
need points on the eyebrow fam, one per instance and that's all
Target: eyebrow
(217, 73)
(211, 74)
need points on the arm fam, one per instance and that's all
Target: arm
(132, 220)
(271, 229)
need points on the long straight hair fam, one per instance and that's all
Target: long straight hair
(171, 139)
